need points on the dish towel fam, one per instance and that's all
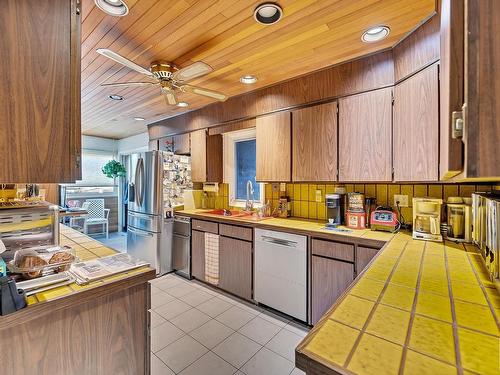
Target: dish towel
(212, 258)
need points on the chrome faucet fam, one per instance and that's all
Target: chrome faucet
(249, 202)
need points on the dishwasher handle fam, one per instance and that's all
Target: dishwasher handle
(279, 241)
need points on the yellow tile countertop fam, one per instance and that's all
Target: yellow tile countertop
(86, 248)
(418, 308)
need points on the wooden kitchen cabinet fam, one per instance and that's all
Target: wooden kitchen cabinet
(273, 147)
(206, 157)
(365, 139)
(363, 256)
(330, 278)
(182, 144)
(40, 134)
(314, 140)
(416, 127)
(235, 266)
(198, 254)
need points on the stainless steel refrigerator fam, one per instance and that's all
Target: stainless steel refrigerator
(149, 232)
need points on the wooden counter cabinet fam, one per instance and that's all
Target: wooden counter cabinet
(235, 266)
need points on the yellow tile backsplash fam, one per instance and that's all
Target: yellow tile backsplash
(304, 205)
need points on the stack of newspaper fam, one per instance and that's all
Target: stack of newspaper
(100, 268)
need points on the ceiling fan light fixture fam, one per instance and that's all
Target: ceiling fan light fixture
(248, 79)
(139, 118)
(115, 97)
(375, 34)
(182, 104)
(268, 13)
(116, 8)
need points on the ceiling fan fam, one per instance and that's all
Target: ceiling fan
(169, 78)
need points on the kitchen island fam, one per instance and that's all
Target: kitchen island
(418, 308)
(99, 328)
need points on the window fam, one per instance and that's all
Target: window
(239, 167)
(245, 168)
(92, 163)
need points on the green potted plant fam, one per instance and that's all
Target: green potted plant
(114, 169)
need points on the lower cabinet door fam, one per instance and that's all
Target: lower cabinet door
(235, 266)
(363, 256)
(330, 278)
(198, 254)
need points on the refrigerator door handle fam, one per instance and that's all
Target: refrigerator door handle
(140, 233)
(139, 182)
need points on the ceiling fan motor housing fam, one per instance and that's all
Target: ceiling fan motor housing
(162, 70)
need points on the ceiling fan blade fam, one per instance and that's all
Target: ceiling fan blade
(130, 84)
(192, 71)
(202, 91)
(122, 60)
(169, 96)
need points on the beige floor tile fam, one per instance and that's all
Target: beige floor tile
(267, 362)
(259, 330)
(189, 320)
(156, 319)
(284, 344)
(181, 353)
(180, 290)
(209, 364)
(196, 297)
(297, 371)
(235, 317)
(274, 318)
(160, 299)
(297, 328)
(164, 335)
(211, 333)
(237, 349)
(214, 307)
(158, 367)
(172, 309)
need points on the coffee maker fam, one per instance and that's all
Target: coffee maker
(335, 209)
(459, 219)
(427, 219)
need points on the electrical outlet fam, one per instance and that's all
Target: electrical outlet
(319, 196)
(402, 199)
(275, 187)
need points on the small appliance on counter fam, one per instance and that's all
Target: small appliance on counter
(370, 206)
(355, 214)
(284, 208)
(459, 220)
(486, 225)
(384, 219)
(335, 209)
(427, 219)
(11, 298)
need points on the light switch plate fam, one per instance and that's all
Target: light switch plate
(402, 199)
(318, 196)
(282, 186)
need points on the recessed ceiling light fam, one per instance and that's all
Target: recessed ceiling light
(139, 118)
(115, 97)
(248, 79)
(374, 34)
(182, 104)
(113, 7)
(268, 13)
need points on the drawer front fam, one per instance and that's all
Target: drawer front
(235, 232)
(334, 250)
(205, 226)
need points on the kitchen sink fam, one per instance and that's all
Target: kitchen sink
(232, 213)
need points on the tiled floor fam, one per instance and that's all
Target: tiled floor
(116, 240)
(197, 330)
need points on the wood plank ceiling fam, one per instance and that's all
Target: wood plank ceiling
(312, 35)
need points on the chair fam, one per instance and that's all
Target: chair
(97, 215)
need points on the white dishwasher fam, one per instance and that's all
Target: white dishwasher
(280, 269)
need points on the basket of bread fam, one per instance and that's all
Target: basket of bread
(36, 262)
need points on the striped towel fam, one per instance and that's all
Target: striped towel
(212, 258)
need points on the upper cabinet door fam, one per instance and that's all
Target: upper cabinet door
(365, 136)
(182, 144)
(314, 141)
(40, 91)
(416, 127)
(482, 89)
(199, 156)
(274, 147)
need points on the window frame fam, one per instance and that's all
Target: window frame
(229, 146)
